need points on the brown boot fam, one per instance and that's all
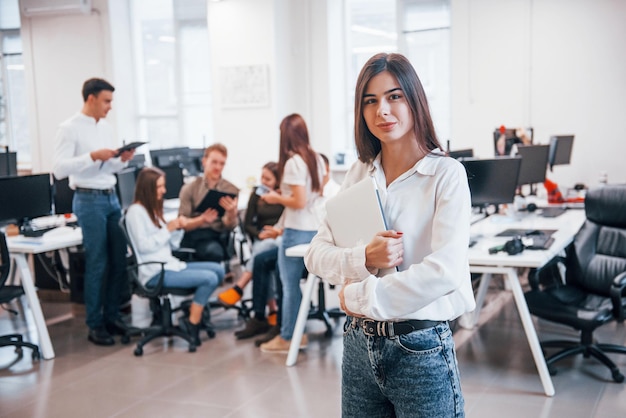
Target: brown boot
(253, 328)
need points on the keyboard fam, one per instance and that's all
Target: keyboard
(34, 233)
(60, 231)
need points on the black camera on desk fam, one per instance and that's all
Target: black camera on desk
(512, 247)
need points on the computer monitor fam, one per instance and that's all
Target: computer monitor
(462, 153)
(62, 196)
(8, 164)
(534, 164)
(138, 161)
(560, 149)
(25, 197)
(125, 186)
(169, 157)
(194, 163)
(510, 135)
(492, 181)
(174, 180)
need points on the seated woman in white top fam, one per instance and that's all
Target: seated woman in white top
(151, 236)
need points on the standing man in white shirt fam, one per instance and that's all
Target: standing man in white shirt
(86, 151)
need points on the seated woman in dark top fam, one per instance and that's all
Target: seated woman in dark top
(259, 225)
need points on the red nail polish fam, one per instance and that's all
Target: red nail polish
(399, 233)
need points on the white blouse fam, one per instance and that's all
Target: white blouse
(430, 204)
(297, 173)
(150, 243)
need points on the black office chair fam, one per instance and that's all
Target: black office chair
(7, 294)
(160, 303)
(593, 293)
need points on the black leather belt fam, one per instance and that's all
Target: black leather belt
(373, 328)
(95, 191)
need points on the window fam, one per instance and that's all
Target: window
(426, 39)
(13, 120)
(419, 29)
(172, 69)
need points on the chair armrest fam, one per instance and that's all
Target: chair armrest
(547, 271)
(617, 294)
(156, 290)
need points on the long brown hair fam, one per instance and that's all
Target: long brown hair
(294, 139)
(146, 193)
(367, 145)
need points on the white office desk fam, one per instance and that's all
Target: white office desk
(566, 226)
(19, 248)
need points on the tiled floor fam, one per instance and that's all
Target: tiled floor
(230, 378)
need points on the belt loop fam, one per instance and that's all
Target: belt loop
(392, 332)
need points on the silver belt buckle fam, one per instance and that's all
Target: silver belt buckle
(369, 327)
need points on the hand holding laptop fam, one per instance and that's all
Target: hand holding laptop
(385, 250)
(355, 217)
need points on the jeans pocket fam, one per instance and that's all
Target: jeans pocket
(347, 326)
(423, 342)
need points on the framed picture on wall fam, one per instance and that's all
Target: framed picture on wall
(244, 86)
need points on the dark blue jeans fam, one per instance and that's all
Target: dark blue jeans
(105, 255)
(263, 272)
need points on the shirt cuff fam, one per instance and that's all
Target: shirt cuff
(358, 258)
(350, 295)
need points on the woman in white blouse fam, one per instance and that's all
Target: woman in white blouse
(301, 171)
(151, 237)
(399, 357)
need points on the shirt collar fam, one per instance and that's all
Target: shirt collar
(87, 118)
(427, 166)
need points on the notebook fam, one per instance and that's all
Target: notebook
(355, 215)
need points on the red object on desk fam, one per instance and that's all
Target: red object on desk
(554, 194)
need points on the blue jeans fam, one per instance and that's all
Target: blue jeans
(105, 250)
(203, 276)
(263, 274)
(411, 375)
(290, 271)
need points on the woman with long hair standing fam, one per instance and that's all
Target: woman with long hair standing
(151, 237)
(301, 170)
(399, 358)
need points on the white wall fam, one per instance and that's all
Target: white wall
(60, 53)
(249, 133)
(292, 39)
(555, 65)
